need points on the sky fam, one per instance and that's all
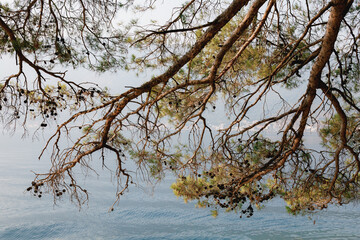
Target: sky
(117, 82)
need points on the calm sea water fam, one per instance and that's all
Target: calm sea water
(141, 215)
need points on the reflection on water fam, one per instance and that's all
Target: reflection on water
(140, 215)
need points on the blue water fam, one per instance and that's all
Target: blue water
(142, 215)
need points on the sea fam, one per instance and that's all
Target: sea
(147, 212)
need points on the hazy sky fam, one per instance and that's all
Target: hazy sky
(116, 82)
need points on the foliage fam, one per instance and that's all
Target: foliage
(233, 61)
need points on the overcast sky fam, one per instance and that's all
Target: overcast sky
(116, 82)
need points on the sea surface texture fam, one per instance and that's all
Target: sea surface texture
(140, 214)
